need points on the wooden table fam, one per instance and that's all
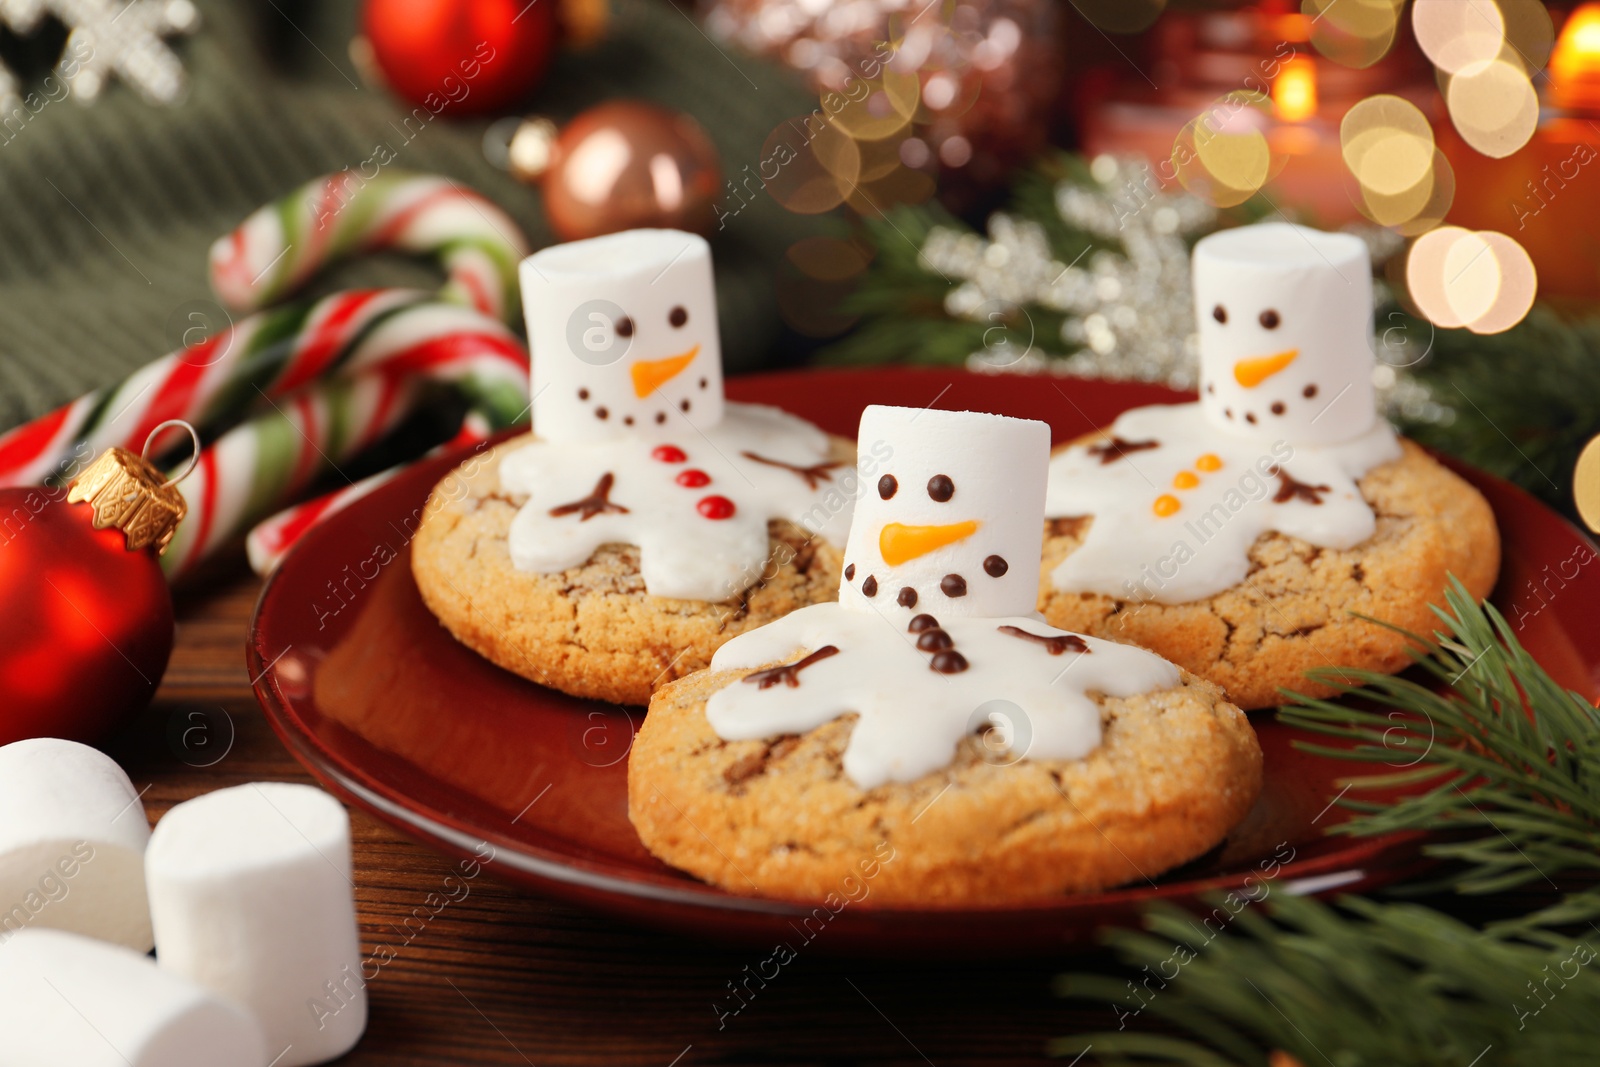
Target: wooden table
(500, 977)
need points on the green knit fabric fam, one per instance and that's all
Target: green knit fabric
(107, 212)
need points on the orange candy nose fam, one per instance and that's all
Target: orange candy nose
(1252, 372)
(651, 374)
(899, 543)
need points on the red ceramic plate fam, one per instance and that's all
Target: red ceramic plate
(378, 701)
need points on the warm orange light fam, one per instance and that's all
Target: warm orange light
(1294, 93)
(1578, 50)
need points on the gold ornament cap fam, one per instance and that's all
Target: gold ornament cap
(128, 492)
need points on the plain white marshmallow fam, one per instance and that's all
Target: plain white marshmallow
(72, 842)
(623, 330)
(66, 999)
(1285, 317)
(952, 521)
(251, 894)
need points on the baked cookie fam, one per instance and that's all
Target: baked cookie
(650, 519)
(1293, 610)
(591, 630)
(929, 722)
(1236, 535)
(1174, 771)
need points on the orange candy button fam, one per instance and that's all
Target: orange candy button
(1185, 480)
(1167, 504)
(1208, 462)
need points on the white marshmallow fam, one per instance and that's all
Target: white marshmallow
(592, 382)
(994, 513)
(66, 999)
(251, 895)
(72, 841)
(1295, 353)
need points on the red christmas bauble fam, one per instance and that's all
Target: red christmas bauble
(86, 627)
(462, 57)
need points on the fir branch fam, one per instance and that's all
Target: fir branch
(1359, 985)
(1525, 401)
(1504, 750)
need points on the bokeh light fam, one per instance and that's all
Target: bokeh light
(1483, 281)
(1223, 155)
(1494, 106)
(1354, 33)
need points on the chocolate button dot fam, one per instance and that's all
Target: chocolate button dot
(941, 488)
(685, 406)
(887, 486)
(907, 597)
(934, 640)
(602, 414)
(583, 394)
(1309, 391)
(849, 572)
(953, 585)
(994, 566)
(923, 622)
(704, 383)
(949, 662)
(661, 416)
(1277, 407)
(869, 587)
(627, 420)
(1250, 417)
(1220, 313)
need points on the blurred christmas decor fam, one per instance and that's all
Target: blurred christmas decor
(470, 56)
(911, 91)
(1086, 273)
(105, 38)
(620, 165)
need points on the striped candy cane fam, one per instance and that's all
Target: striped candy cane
(271, 355)
(250, 470)
(277, 249)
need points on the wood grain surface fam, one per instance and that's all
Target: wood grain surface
(501, 977)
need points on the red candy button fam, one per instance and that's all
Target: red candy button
(668, 454)
(716, 507)
(693, 478)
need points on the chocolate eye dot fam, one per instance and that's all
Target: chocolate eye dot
(941, 488)
(1220, 313)
(1309, 391)
(602, 414)
(995, 566)
(1270, 319)
(869, 588)
(887, 486)
(583, 394)
(678, 316)
(624, 327)
(849, 572)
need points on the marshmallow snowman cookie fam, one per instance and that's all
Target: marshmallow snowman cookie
(647, 519)
(1237, 534)
(928, 735)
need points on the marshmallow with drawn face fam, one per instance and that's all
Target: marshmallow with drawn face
(1285, 317)
(951, 523)
(623, 330)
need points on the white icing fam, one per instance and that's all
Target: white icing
(1315, 291)
(1203, 548)
(574, 297)
(996, 471)
(682, 553)
(911, 718)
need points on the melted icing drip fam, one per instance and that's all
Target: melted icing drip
(691, 545)
(1147, 543)
(910, 719)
